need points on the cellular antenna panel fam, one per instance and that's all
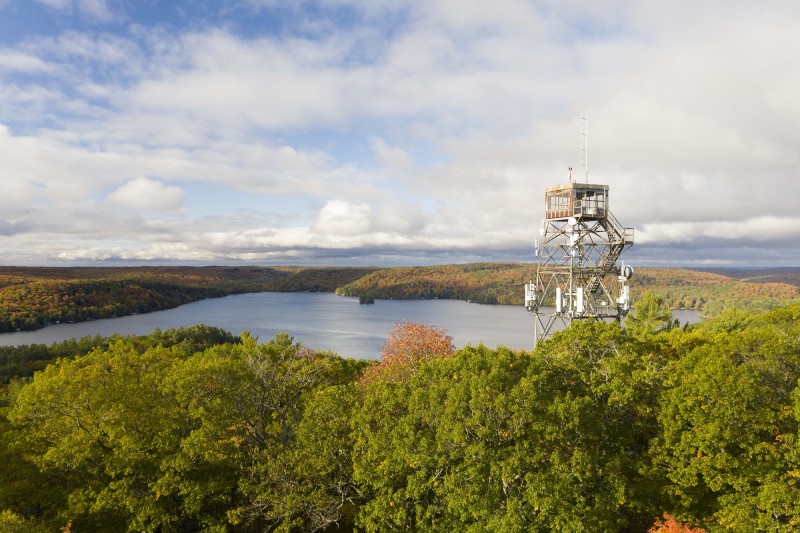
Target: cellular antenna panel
(577, 275)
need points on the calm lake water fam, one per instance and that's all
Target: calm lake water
(319, 320)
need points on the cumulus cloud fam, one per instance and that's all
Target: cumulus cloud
(341, 218)
(148, 194)
(400, 130)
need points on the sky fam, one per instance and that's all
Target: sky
(393, 132)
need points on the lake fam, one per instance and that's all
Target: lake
(322, 321)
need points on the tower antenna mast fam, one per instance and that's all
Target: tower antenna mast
(585, 145)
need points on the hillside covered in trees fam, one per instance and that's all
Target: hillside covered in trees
(488, 283)
(599, 428)
(34, 297)
(31, 298)
(502, 283)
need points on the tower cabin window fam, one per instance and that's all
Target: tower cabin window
(559, 201)
(590, 203)
(576, 200)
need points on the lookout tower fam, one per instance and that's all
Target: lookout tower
(577, 276)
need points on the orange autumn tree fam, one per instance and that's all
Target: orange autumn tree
(670, 525)
(409, 346)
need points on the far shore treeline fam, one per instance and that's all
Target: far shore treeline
(33, 297)
(600, 428)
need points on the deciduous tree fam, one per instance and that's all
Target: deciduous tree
(410, 345)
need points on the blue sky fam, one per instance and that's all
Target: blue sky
(392, 132)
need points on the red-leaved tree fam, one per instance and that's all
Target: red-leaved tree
(670, 525)
(409, 346)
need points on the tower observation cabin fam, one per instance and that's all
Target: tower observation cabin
(577, 276)
(579, 200)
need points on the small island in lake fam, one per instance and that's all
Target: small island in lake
(366, 299)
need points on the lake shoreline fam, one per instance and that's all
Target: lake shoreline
(210, 297)
(32, 298)
(320, 320)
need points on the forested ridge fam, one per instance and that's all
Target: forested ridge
(490, 283)
(33, 297)
(503, 283)
(600, 428)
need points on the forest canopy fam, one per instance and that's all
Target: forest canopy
(600, 428)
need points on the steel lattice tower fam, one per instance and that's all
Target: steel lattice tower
(577, 276)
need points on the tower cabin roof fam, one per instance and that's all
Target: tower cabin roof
(576, 200)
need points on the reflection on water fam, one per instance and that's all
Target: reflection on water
(320, 320)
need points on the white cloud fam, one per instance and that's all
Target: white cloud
(391, 156)
(56, 4)
(148, 194)
(104, 49)
(259, 83)
(14, 197)
(96, 9)
(759, 229)
(414, 126)
(341, 218)
(21, 62)
(92, 9)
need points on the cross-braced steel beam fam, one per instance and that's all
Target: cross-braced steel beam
(577, 276)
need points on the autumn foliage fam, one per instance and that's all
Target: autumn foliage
(670, 525)
(33, 297)
(487, 283)
(596, 429)
(409, 346)
(502, 283)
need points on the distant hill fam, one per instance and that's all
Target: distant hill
(502, 283)
(712, 290)
(789, 275)
(32, 297)
(488, 283)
